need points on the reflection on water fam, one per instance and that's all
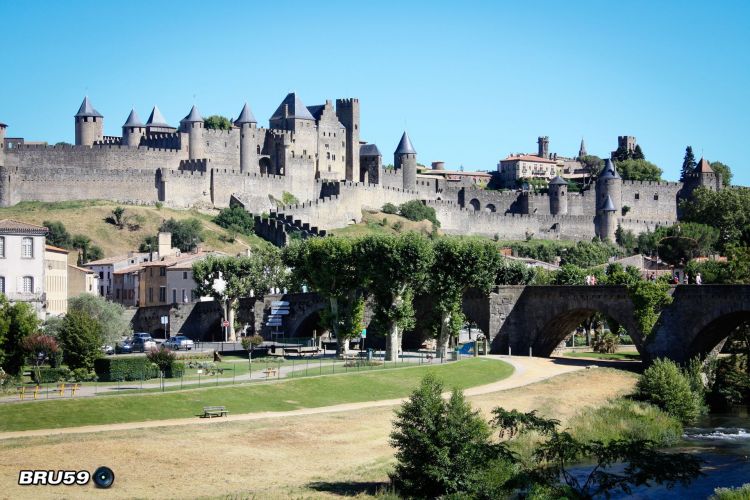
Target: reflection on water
(722, 441)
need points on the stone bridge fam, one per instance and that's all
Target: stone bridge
(540, 317)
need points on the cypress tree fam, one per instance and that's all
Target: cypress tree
(688, 164)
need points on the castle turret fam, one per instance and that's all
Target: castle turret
(609, 183)
(371, 164)
(133, 130)
(157, 124)
(543, 147)
(292, 114)
(707, 177)
(248, 154)
(558, 196)
(3, 127)
(405, 158)
(607, 220)
(347, 111)
(89, 124)
(193, 125)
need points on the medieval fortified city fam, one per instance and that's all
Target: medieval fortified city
(198, 304)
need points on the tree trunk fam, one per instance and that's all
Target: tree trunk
(444, 335)
(229, 316)
(392, 343)
(342, 344)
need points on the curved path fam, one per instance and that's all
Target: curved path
(527, 371)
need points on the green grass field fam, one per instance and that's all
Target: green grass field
(618, 356)
(281, 396)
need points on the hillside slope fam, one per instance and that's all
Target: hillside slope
(89, 218)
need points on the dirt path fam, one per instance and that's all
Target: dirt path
(527, 371)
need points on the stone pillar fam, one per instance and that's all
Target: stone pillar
(248, 153)
(195, 140)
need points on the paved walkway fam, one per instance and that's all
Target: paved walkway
(527, 371)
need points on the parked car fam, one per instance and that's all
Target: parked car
(180, 342)
(108, 349)
(143, 344)
(125, 347)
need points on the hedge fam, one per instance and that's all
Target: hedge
(51, 375)
(125, 369)
(176, 370)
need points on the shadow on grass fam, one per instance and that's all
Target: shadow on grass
(349, 488)
(635, 366)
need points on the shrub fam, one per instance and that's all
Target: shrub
(739, 493)
(163, 358)
(125, 369)
(251, 341)
(50, 375)
(236, 219)
(398, 226)
(82, 375)
(439, 444)
(186, 234)
(605, 342)
(81, 339)
(390, 208)
(175, 370)
(665, 385)
(416, 210)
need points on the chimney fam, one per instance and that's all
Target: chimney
(165, 244)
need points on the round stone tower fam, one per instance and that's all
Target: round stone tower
(89, 124)
(405, 158)
(609, 184)
(132, 130)
(607, 220)
(246, 122)
(438, 165)
(2, 143)
(558, 196)
(193, 125)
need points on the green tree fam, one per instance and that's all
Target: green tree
(242, 276)
(186, 234)
(394, 268)
(58, 236)
(638, 153)
(460, 264)
(621, 154)
(17, 322)
(665, 385)
(589, 253)
(439, 444)
(149, 244)
(592, 165)
(40, 348)
(514, 273)
(113, 324)
(87, 251)
(724, 171)
(728, 210)
(570, 274)
(331, 267)
(639, 170)
(81, 340)
(416, 210)
(236, 219)
(218, 122)
(118, 217)
(389, 208)
(626, 239)
(688, 164)
(681, 242)
(649, 298)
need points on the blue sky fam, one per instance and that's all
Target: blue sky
(471, 81)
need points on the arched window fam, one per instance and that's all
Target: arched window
(27, 248)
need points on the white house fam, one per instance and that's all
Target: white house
(22, 263)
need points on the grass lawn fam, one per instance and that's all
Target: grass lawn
(618, 356)
(282, 396)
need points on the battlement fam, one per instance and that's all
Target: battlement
(653, 184)
(663, 223)
(83, 149)
(220, 132)
(347, 101)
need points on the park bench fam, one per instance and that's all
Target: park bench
(270, 372)
(23, 389)
(215, 411)
(73, 389)
(309, 351)
(61, 389)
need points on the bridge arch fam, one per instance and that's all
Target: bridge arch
(715, 332)
(490, 208)
(475, 205)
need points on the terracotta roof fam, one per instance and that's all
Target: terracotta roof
(14, 226)
(704, 167)
(129, 269)
(87, 271)
(53, 248)
(537, 159)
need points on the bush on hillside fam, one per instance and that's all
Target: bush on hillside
(416, 210)
(186, 234)
(236, 219)
(665, 385)
(390, 208)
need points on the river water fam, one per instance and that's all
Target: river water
(723, 442)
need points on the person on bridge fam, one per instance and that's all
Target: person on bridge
(698, 279)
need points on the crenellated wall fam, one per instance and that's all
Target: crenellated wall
(106, 156)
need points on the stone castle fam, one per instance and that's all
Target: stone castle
(315, 154)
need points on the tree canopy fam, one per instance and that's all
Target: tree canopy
(688, 164)
(218, 122)
(727, 210)
(724, 171)
(109, 315)
(186, 234)
(17, 322)
(236, 219)
(639, 170)
(679, 243)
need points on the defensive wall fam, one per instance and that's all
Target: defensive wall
(457, 220)
(104, 157)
